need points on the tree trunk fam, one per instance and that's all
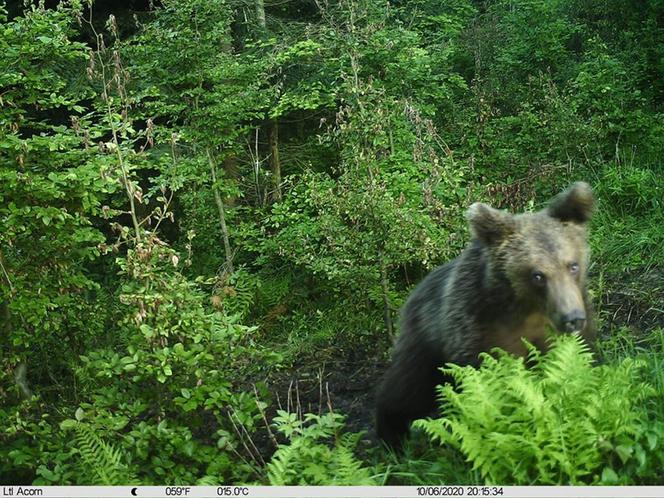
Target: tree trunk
(232, 173)
(260, 13)
(275, 164)
(222, 212)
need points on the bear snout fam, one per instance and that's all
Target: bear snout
(573, 322)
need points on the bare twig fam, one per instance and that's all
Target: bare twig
(289, 401)
(267, 424)
(320, 391)
(222, 213)
(298, 408)
(5, 273)
(329, 401)
(241, 431)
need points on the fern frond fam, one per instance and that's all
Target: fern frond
(102, 463)
(310, 459)
(558, 422)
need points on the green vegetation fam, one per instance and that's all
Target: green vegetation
(562, 421)
(211, 211)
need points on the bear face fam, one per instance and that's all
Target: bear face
(543, 256)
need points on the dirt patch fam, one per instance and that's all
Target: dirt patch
(344, 386)
(635, 301)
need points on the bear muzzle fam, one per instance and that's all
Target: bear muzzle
(572, 322)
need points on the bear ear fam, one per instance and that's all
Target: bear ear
(574, 204)
(488, 224)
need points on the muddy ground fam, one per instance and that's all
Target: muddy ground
(635, 301)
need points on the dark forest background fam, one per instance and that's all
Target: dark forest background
(211, 212)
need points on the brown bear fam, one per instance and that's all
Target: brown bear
(519, 275)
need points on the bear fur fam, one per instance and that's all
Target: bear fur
(519, 275)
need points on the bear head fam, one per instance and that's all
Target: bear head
(542, 256)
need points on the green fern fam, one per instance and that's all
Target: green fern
(274, 289)
(101, 463)
(240, 293)
(563, 421)
(308, 460)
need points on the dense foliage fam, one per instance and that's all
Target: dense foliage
(203, 200)
(562, 421)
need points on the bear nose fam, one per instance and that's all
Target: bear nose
(574, 322)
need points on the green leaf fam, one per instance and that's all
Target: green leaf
(624, 452)
(652, 440)
(68, 424)
(609, 476)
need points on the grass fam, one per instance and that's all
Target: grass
(627, 231)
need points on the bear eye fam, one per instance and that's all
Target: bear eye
(538, 278)
(573, 268)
